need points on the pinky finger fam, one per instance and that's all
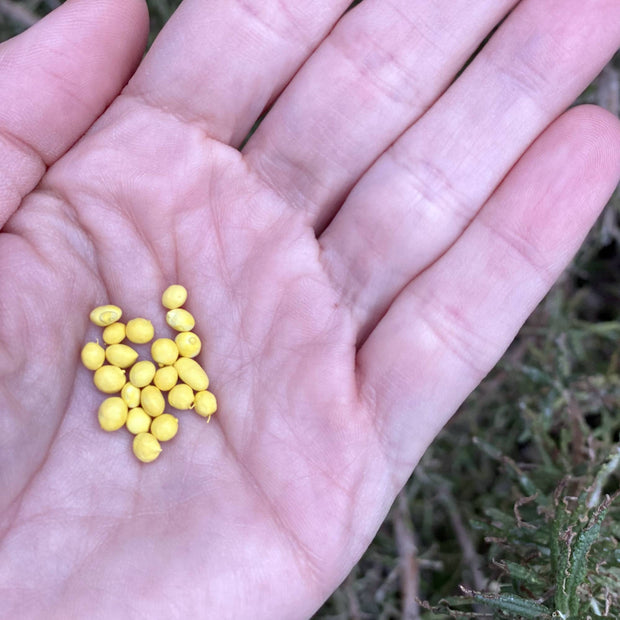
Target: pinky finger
(452, 323)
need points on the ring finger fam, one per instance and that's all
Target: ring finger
(422, 193)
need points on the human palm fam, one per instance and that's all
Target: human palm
(339, 335)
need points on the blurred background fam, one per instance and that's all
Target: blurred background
(511, 513)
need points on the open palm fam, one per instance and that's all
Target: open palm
(354, 271)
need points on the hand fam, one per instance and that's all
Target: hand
(355, 271)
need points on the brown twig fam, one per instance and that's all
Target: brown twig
(17, 13)
(407, 558)
(522, 501)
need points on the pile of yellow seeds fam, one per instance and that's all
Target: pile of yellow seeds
(140, 383)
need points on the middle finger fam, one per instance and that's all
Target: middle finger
(378, 71)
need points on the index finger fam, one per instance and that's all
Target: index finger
(219, 63)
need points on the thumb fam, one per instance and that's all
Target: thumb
(56, 79)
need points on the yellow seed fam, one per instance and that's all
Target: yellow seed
(164, 351)
(112, 413)
(166, 378)
(181, 396)
(188, 343)
(114, 333)
(105, 315)
(93, 356)
(165, 427)
(109, 379)
(138, 421)
(205, 404)
(121, 355)
(152, 400)
(146, 447)
(131, 395)
(142, 373)
(140, 331)
(174, 296)
(191, 373)
(180, 319)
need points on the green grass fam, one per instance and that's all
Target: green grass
(510, 512)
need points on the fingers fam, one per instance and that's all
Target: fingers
(219, 63)
(419, 196)
(450, 325)
(56, 79)
(378, 71)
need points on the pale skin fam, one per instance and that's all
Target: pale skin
(354, 272)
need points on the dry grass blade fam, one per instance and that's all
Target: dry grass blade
(407, 559)
(468, 548)
(355, 610)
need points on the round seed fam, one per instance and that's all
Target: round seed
(205, 403)
(112, 413)
(114, 333)
(152, 401)
(174, 296)
(188, 343)
(131, 395)
(138, 421)
(121, 355)
(146, 447)
(109, 379)
(165, 427)
(166, 378)
(164, 351)
(93, 356)
(181, 396)
(180, 319)
(105, 315)
(142, 373)
(191, 372)
(140, 331)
